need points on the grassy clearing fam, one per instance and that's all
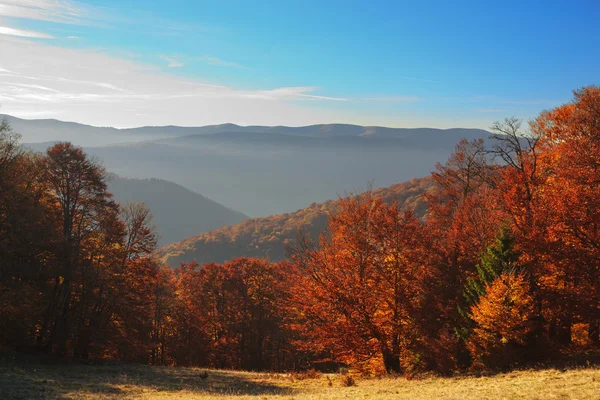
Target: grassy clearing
(20, 380)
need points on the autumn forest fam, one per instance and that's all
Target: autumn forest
(501, 270)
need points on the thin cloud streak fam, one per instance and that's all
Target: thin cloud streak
(64, 11)
(5, 30)
(289, 93)
(31, 86)
(72, 12)
(8, 73)
(19, 93)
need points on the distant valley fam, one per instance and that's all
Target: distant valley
(178, 212)
(260, 170)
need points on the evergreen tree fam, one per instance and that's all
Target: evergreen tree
(499, 258)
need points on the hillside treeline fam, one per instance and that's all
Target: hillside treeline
(269, 237)
(504, 271)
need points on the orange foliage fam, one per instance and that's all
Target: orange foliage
(380, 290)
(503, 321)
(361, 293)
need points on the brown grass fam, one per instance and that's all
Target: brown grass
(20, 380)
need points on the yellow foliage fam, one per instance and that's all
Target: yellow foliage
(502, 321)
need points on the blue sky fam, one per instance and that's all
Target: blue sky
(395, 63)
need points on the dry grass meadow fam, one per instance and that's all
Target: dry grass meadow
(19, 380)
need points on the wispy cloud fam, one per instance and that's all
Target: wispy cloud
(61, 11)
(56, 11)
(222, 63)
(172, 62)
(5, 30)
(77, 12)
(93, 87)
(288, 93)
(38, 87)
(48, 78)
(74, 37)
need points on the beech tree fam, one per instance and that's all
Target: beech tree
(570, 277)
(26, 242)
(233, 315)
(82, 203)
(360, 293)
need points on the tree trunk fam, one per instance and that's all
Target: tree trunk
(60, 334)
(82, 346)
(594, 332)
(391, 362)
(563, 333)
(46, 332)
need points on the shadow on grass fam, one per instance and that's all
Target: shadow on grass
(19, 380)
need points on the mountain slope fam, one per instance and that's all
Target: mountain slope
(262, 180)
(269, 236)
(50, 130)
(261, 170)
(178, 212)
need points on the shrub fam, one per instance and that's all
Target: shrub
(347, 380)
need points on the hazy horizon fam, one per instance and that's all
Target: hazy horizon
(2, 114)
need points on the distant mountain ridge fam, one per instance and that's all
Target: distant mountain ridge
(262, 170)
(268, 237)
(422, 138)
(46, 130)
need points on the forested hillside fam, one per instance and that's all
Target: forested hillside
(269, 237)
(178, 212)
(502, 272)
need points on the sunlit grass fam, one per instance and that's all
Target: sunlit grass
(25, 380)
